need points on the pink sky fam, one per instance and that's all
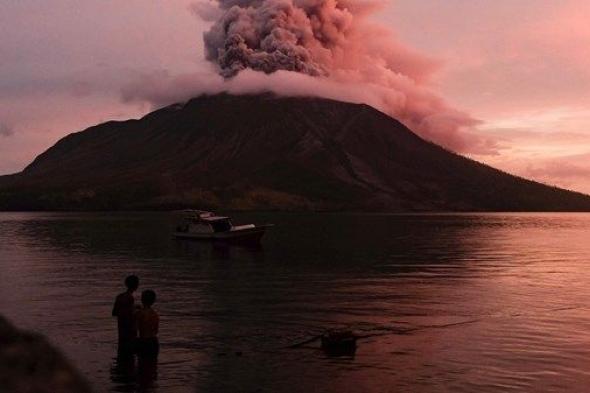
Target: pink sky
(521, 68)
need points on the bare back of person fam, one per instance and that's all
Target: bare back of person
(148, 322)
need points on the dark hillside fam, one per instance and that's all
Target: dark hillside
(264, 152)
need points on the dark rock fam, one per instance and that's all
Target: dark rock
(29, 364)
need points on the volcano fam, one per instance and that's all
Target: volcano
(263, 152)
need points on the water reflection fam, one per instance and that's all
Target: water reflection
(463, 302)
(131, 375)
(123, 373)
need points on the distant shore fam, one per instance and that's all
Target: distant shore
(271, 211)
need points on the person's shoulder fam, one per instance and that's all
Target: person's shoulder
(124, 297)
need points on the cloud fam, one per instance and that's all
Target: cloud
(560, 171)
(206, 10)
(324, 48)
(162, 88)
(571, 172)
(505, 58)
(5, 130)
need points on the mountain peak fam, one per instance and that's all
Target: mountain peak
(267, 152)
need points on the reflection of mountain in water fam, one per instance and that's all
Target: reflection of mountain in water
(263, 152)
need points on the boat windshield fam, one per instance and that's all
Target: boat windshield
(221, 225)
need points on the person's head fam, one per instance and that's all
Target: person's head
(148, 297)
(132, 282)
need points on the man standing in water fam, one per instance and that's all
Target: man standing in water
(124, 310)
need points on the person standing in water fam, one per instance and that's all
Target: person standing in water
(124, 310)
(148, 322)
(148, 346)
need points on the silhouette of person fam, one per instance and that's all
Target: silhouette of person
(148, 346)
(124, 310)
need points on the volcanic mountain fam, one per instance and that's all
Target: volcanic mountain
(267, 152)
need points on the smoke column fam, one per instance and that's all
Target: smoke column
(326, 48)
(277, 35)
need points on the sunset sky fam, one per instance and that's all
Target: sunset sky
(522, 68)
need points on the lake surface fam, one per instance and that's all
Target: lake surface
(457, 303)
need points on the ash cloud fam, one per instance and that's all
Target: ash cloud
(325, 48)
(272, 35)
(314, 37)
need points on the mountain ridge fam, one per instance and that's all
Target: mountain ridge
(263, 152)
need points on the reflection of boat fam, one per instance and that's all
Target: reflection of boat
(202, 225)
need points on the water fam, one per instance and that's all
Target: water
(457, 303)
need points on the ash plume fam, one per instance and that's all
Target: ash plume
(325, 48)
(314, 37)
(272, 35)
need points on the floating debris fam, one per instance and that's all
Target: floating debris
(339, 343)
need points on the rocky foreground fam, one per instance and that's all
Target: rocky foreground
(29, 364)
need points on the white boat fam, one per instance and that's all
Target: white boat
(203, 225)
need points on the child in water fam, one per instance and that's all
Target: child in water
(148, 321)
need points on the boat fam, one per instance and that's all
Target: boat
(339, 343)
(204, 225)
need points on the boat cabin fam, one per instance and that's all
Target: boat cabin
(202, 225)
(205, 222)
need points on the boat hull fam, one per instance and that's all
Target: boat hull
(249, 235)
